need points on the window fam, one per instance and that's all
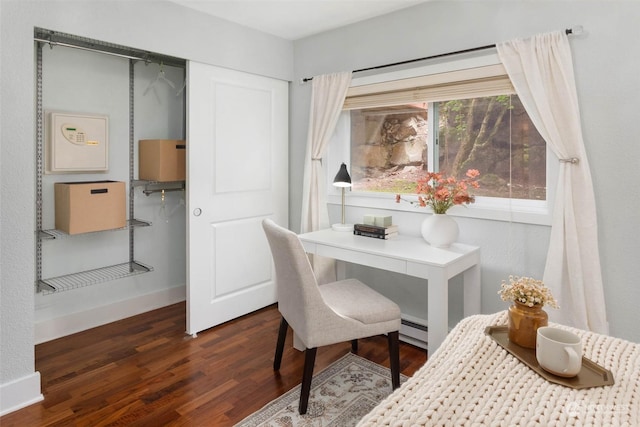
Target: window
(451, 121)
(495, 136)
(388, 147)
(391, 146)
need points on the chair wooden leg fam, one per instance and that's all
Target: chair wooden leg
(394, 358)
(282, 334)
(354, 346)
(309, 361)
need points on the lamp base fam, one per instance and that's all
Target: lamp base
(342, 227)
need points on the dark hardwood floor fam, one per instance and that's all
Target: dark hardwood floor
(145, 371)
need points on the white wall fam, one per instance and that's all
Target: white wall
(157, 26)
(607, 65)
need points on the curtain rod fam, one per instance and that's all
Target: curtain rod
(574, 30)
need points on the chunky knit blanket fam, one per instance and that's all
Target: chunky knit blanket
(472, 381)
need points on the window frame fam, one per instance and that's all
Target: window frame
(491, 208)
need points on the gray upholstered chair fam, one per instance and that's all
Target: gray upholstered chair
(331, 313)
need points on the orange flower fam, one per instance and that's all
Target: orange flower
(441, 194)
(473, 173)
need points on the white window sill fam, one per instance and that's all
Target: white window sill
(508, 211)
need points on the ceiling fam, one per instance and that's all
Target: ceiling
(295, 19)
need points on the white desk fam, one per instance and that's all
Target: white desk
(414, 257)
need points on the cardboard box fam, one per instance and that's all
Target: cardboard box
(161, 160)
(83, 207)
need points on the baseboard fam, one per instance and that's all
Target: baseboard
(19, 393)
(414, 331)
(70, 324)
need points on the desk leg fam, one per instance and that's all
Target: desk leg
(341, 270)
(472, 294)
(437, 309)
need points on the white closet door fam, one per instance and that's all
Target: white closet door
(237, 145)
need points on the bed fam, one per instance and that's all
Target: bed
(472, 381)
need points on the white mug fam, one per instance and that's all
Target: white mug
(559, 351)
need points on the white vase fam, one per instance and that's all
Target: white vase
(440, 230)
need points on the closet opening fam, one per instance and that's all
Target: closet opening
(123, 95)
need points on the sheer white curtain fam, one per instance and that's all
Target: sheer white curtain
(327, 98)
(541, 71)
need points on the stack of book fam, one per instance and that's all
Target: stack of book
(375, 231)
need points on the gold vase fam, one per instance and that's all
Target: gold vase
(524, 322)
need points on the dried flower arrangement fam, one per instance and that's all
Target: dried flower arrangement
(527, 291)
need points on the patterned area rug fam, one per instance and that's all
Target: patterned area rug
(341, 395)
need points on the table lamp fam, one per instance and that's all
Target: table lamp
(342, 180)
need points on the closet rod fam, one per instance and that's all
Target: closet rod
(148, 192)
(573, 30)
(54, 38)
(52, 43)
